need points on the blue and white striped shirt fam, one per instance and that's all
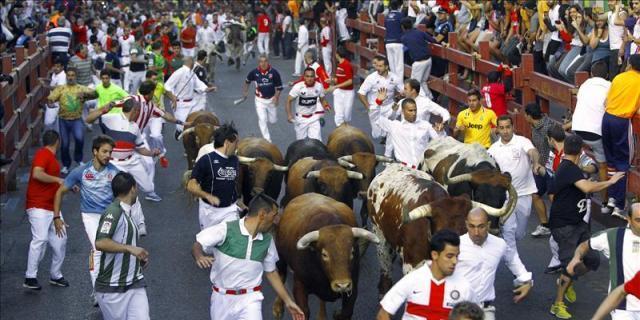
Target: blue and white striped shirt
(59, 39)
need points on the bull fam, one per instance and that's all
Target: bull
(326, 177)
(261, 168)
(316, 238)
(200, 132)
(234, 40)
(407, 206)
(306, 148)
(354, 150)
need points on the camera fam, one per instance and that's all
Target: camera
(6, 77)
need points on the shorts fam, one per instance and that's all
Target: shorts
(568, 239)
(597, 148)
(543, 182)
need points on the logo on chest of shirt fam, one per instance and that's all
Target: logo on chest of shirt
(89, 176)
(228, 173)
(307, 102)
(455, 294)
(475, 126)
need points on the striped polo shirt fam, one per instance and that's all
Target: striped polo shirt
(59, 39)
(118, 271)
(148, 110)
(125, 133)
(83, 70)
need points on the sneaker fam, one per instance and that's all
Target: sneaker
(164, 162)
(619, 213)
(64, 170)
(560, 311)
(541, 231)
(570, 294)
(553, 269)
(608, 208)
(31, 283)
(59, 282)
(152, 196)
(142, 229)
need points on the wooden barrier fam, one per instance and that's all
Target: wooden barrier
(534, 86)
(22, 123)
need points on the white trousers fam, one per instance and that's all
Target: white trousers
(91, 221)
(395, 54)
(189, 52)
(515, 228)
(183, 109)
(132, 304)
(420, 71)
(299, 64)
(326, 59)
(153, 134)
(133, 80)
(341, 20)
(375, 112)
(137, 168)
(308, 127)
(343, 105)
(267, 113)
(489, 313)
(209, 215)
(43, 232)
(238, 307)
(625, 315)
(263, 43)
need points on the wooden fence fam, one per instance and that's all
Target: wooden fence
(23, 116)
(534, 86)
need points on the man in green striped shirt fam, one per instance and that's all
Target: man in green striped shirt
(120, 286)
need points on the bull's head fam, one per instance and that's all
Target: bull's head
(335, 248)
(333, 181)
(203, 133)
(259, 169)
(364, 163)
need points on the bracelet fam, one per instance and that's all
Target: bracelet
(56, 218)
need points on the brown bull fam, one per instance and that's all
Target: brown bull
(322, 176)
(261, 169)
(317, 238)
(407, 206)
(203, 124)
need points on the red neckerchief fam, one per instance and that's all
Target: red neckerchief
(556, 161)
(81, 56)
(264, 71)
(125, 36)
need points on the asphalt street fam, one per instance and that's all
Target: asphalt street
(177, 289)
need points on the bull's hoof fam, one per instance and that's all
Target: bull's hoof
(278, 309)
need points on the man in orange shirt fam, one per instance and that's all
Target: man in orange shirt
(188, 39)
(623, 103)
(44, 181)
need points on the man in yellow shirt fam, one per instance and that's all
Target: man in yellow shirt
(476, 122)
(623, 103)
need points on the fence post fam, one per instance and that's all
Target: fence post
(380, 22)
(363, 42)
(453, 70)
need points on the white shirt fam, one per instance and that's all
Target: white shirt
(287, 25)
(615, 32)
(183, 83)
(307, 97)
(512, 157)
(205, 36)
(479, 264)
(303, 37)
(636, 34)
(409, 139)
(232, 273)
(630, 258)
(58, 79)
(426, 296)
(422, 9)
(326, 34)
(590, 105)
(375, 81)
(125, 44)
(554, 14)
(426, 107)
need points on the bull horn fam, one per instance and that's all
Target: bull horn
(185, 132)
(306, 240)
(246, 160)
(345, 161)
(354, 175)
(280, 168)
(383, 159)
(506, 209)
(365, 234)
(312, 174)
(416, 213)
(457, 179)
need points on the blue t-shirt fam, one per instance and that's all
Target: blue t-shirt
(95, 186)
(416, 43)
(217, 175)
(392, 25)
(114, 60)
(266, 82)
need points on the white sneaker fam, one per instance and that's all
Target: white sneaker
(64, 170)
(541, 231)
(619, 213)
(608, 208)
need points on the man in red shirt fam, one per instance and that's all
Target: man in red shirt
(44, 181)
(80, 31)
(264, 27)
(188, 39)
(495, 94)
(343, 94)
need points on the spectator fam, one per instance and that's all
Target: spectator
(392, 39)
(27, 35)
(278, 36)
(264, 29)
(623, 103)
(599, 41)
(80, 34)
(476, 123)
(302, 47)
(59, 41)
(417, 44)
(616, 34)
(341, 20)
(495, 93)
(287, 30)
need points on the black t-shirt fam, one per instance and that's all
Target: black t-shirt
(569, 203)
(113, 59)
(217, 175)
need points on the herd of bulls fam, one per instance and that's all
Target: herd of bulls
(318, 236)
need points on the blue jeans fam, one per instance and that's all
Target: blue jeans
(70, 128)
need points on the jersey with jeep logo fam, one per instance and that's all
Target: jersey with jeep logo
(306, 97)
(477, 125)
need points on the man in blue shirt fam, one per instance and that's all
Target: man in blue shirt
(268, 89)
(26, 36)
(392, 39)
(93, 180)
(417, 44)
